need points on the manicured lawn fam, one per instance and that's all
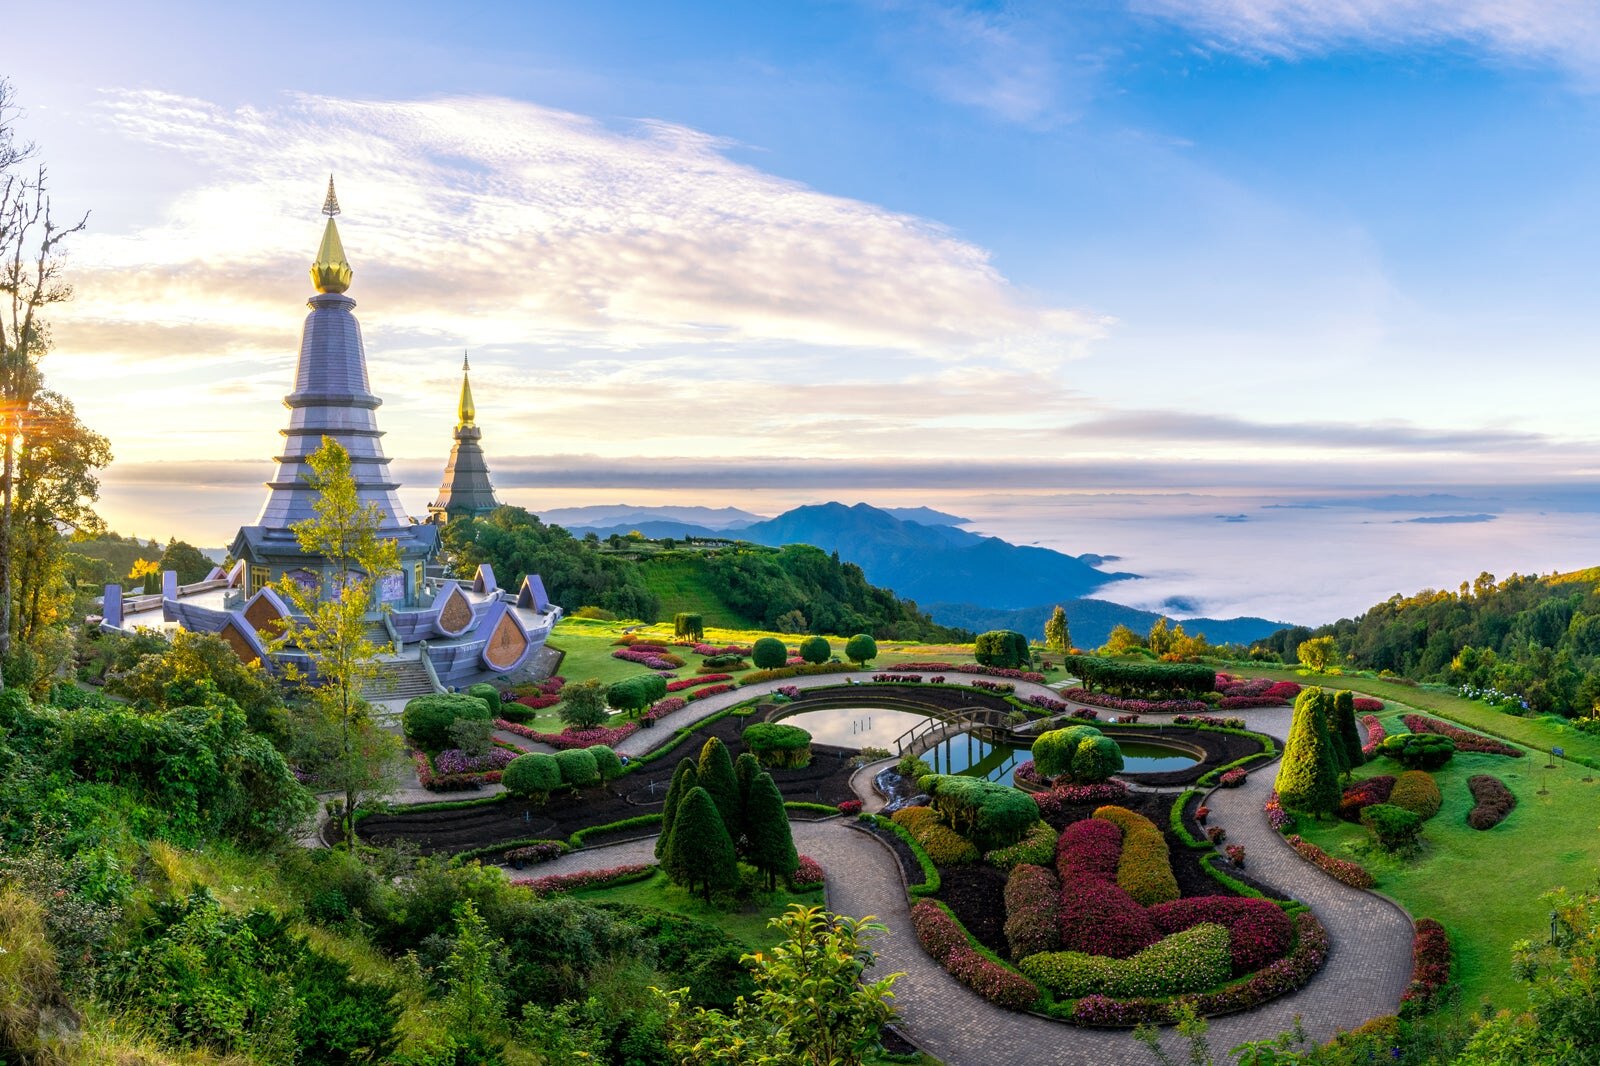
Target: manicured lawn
(680, 583)
(1543, 732)
(1485, 885)
(745, 922)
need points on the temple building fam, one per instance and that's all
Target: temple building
(466, 491)
(441, 632)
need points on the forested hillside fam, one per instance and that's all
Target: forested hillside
(1534, 638)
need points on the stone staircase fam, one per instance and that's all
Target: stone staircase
(401, 679)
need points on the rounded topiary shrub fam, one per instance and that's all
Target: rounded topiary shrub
(606, 761)
(1393, 827)
(1002, 647)
(488, 694)
(1080, 754)
(1419, 751)
(578, 767)
(861, 649)
(769, 653)
(534, 775)
(427, 719)
(816, 650)
(775, 744)
(1417, 791)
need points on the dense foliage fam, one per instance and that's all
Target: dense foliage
(1142, 679)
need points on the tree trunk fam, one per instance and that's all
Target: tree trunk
(7, 474)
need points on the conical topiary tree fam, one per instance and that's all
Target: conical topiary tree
(770, 840)
(745, 770)
(1308, 776)
(699, 851)
(716, 777)
(684, 778)
(1345, 731)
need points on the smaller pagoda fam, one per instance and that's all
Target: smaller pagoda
(466, 491)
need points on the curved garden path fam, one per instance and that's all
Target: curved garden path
(1369, 962)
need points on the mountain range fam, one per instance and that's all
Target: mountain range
(961, 578)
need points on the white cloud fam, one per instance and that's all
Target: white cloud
(1567, 31)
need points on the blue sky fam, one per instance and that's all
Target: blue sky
(1142, 246)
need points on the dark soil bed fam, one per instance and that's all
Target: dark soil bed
(976, 893)
(826, 781)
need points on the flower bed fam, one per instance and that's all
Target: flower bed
(696, 682)
(453, 761)
(1284, 690)
(1367, 705)
(1258, 929)
(1033, 911)
(1280, 820)
(713, 690)
(1492, 801)
(1244, 703)
(662, 708)
(809, 669)
(711, 649)
(898, 679)
(943, 938)
(570, 738)
(1228, 685)
(1352, 874)
(436, 782)
(1210, 720)
(1375, 735)
(1137, 706)
(585, 878)
(538, 703)
(1190, 961)
(976, 668)
(1430, 968)
(533, 854)
(1053, 802)
(651, 656)
(1045, 703)
(1363, 794)
(1003, 688)
(1465, 739)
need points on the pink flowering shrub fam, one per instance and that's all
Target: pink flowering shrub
(1465, 739)
(1243, 703)
(1054, 803)
(1375, 735)
(1138, 706)
(713, 690)
(539, 703)
(898, 679)
(1258, 930)
(1233, 779)
(1099, 918)
(1279, 819)
(652, 656)
(1001, 687)
(450, 782)
(1430, 967)
(533, 854)
(662, 708)
(572, 738)
(944, 939)
(792, 691)
(936, 931)
(583, 879)
(1352, 874)
(696, 682)
(1367, 705)
(1033, 911)
(711, 649)
(975, 668)
(807, 874)
(1090, 848)
(456, 761)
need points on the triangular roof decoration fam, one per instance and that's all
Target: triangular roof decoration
(532, 594)
(483, 580)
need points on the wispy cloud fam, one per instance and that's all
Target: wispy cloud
(1394, 437)
(1567, 31)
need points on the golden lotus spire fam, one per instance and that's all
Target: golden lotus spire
(331, 272)
(465, 412)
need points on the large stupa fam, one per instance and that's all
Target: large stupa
(441, 632)
(466, 491)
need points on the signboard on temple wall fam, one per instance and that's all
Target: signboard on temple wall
(391, 588)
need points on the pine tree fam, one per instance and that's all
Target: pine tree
(745, 770)
(1344, 728)
(684, 778)
(700, 850)
(716, 777)
(1056, 635)
(1308, 776)
(771, 847)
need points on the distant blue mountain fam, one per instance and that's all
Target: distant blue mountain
(934, 563)
(1090, 621)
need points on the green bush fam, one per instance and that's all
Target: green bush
(1308, 775)
(1145, 869)
(861, 649)
(989, 814)
(578, 767)
(1142, 679)
(769, 653)
(688, 626)
(1418, 792)
(944, 845)
(488, 694)
(1394, 828)
(1191, 961)
(606, 761)
(427, 719)
(634, 694)
(1002, 647)
(533, 775)
(1418, 751)
(1037, 847)
(780, 745)
(816, 650)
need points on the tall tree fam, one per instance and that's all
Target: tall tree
(684, 778)
(717, 778)
(1057, 638)
(771, 840)
(329, 624)
(700, 851)
(1308, 776)
(1347, 738)
(30, 282)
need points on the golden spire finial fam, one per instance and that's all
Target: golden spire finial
(465, 412)
(331, 272)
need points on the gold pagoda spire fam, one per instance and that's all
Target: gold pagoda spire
(331, 272)
(465, 412)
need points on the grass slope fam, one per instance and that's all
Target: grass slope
(680, 583)
(745, 923)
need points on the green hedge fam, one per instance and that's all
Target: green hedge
(1142, 679)
(1037, 846)
(775, 744)
(1180, 829)
(427, 719)
(989, 814)
(578, 767)
(441, 805)
(1191, 961)
(577, 839)
(930, 872)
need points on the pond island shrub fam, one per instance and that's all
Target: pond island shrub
(427, 719)
(776, 744)
(1078, 754)
(1191, 961)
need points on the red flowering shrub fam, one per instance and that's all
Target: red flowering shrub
(1363, 794)
(713, 690)
(1233, 779)
(1284, 690)
(1430, 968)
(1090, 848)
(936, 931)
(1375, 735)
(1099, 918)
(695, 682)
(1242, 703)
(1124, 703)
(1350, 873)
(1033, 911)
(662, 708)
(1465, 739)
(539, 703)
(850, 807)
(808, 873)
(1492, 801)
(1367, 705)
(1258, 930)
